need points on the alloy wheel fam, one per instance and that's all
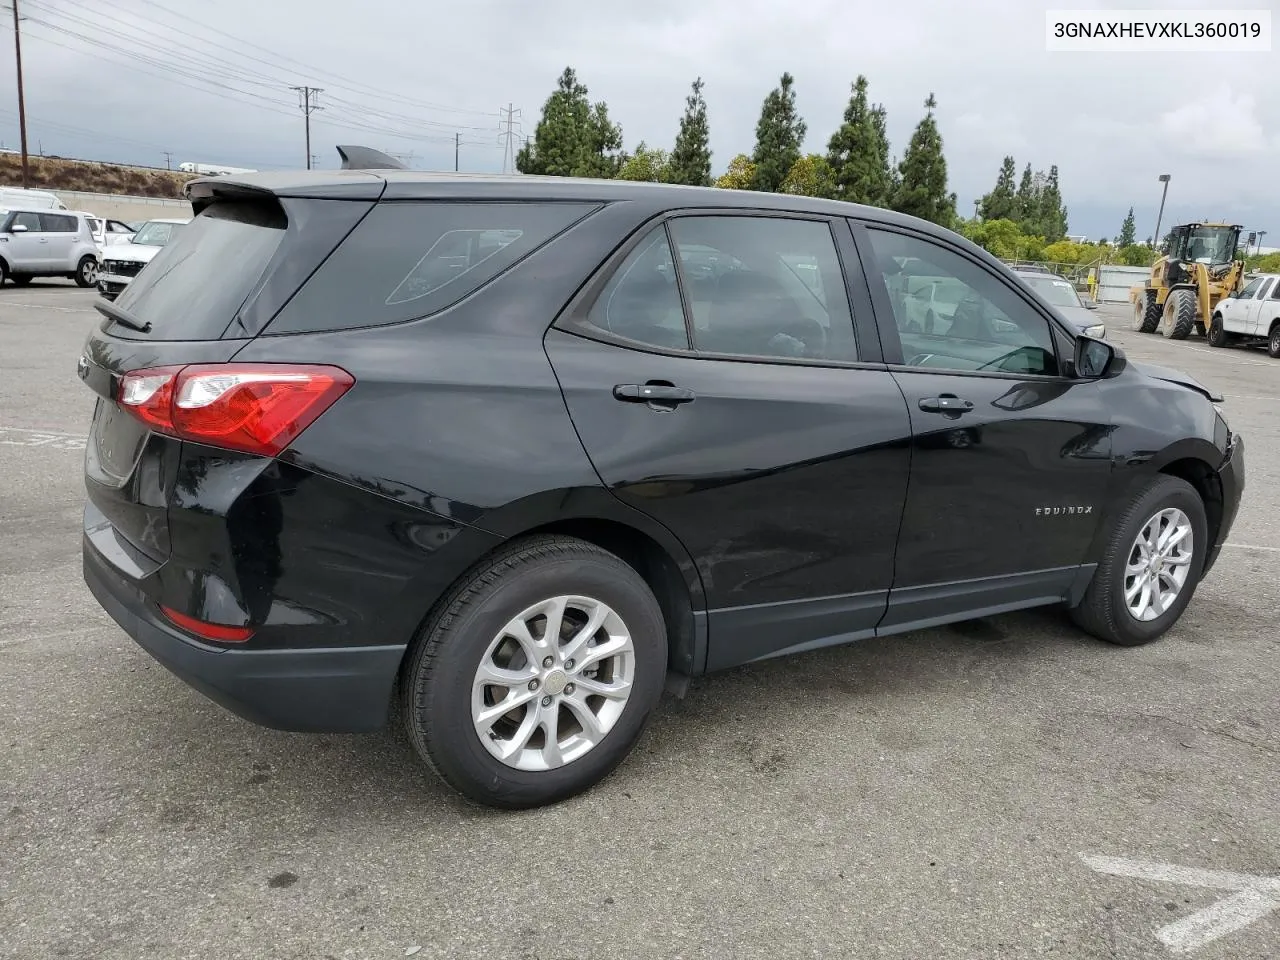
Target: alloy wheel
(1159, 564)
(553, 683)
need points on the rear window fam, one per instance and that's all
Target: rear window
(198, 280)
(408, 260)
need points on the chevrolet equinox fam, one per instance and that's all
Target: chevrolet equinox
(518, 453)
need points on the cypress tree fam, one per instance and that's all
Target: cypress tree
(923, 190)
(1128, 231)
(1001, 202)
(690, 161)
(858, 152)
(779, 133)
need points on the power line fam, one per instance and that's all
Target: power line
(307, 97)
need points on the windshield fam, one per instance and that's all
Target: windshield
(156, 234)
(1211, 245)
(1058, 292)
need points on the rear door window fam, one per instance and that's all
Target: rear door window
(57, 223)
(409, 259)
(197, 282)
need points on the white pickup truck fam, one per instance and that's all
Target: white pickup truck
(1251, 316)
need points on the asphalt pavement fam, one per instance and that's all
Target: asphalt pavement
(1004, 788)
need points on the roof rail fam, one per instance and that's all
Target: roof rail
(366, 158)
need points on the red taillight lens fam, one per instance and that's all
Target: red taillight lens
(207, 631)
(259, 408)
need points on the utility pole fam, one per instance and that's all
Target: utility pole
(22, 101)
(168, 158)
(457, 145)
(508, 152)
(1164, 178)
(307, 103)
(1261, 234)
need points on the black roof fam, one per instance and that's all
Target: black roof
(422, 185)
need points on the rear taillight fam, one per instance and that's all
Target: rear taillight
(259, 408)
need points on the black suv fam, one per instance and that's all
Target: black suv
(519, 452)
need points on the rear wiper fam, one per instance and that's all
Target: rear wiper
(121, 316)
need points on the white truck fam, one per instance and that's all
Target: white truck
(1251, 316)
(212, 169)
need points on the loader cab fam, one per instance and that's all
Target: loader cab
(1213, 244)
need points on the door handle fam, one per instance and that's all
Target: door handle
(947, 403)
(655, 393)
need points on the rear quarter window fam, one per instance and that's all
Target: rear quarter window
(411, 259)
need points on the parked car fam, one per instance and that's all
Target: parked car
(1064, 297)
(107, 232)
(124, 261)
(1251, 316)
(47, 243)
(484, 447)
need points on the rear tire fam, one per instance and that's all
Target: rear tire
(1146, 313)
(1105, 610)
(4, 272)
(1179, 317)
(491, 619)
(1218, 336)
(86, 272)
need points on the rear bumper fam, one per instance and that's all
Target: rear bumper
(328, 690)
(1231, 475)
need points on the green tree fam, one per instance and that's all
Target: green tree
(1136, 255)
(1127, 231)
(858, 152)
(1026, 201)
(810, 176)
(779, 134)
(573, 138)
(645, 164)
(1051, 219)
(923, 190)
(741, 174)
(1001, 202)
(690, 161)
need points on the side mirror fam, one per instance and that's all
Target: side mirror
(18, 228)
(1095, 359)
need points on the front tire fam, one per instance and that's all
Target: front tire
(1150, 566)
(86, 272)
(1273, 341)
(1217, 334)
(1179, 317)
(565, 635)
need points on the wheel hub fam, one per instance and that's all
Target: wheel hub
(554, 683)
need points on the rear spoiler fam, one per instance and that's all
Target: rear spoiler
(366, 158)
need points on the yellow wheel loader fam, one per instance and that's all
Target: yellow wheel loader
(1199, 267)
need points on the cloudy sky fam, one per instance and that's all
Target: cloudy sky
(408, 76)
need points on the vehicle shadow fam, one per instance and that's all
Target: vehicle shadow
(320, 778)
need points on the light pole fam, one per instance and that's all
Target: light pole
(1261, 234)
(1155, 237)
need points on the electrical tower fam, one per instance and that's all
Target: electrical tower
(509, 115)
(307, 97)
(168, 159)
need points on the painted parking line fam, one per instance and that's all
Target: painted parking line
(1251, 898)
(87, 308)
(49, 439)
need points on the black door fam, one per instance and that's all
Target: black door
(1010, 460)
(721, 393)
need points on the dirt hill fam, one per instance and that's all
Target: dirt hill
(51, 174)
